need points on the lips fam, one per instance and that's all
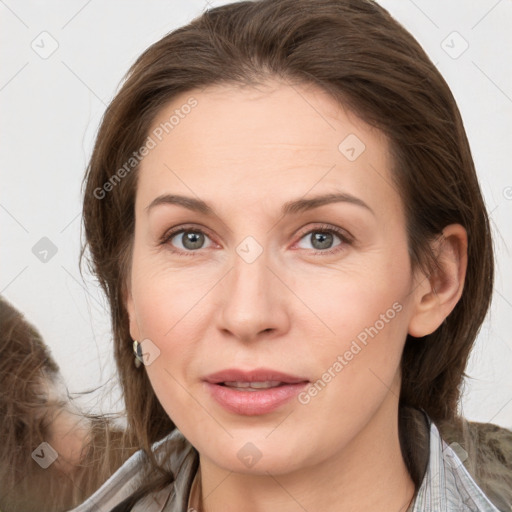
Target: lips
(254, 392)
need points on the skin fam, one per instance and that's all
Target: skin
(247, 151)
(68, 429)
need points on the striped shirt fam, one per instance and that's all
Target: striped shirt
(446, 487)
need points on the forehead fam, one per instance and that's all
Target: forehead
(275, 139)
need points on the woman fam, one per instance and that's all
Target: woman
(282, 209)
(283, 193)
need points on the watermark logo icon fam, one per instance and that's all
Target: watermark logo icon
(149, 352)
(351, 147)
(44, 250)
(249, 249)
(45, 455)
(45, 45)
(249, 454)
(461, 454)
(454, 45)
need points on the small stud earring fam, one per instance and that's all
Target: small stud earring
(137, 349)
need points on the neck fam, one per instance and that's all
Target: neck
(369, 474)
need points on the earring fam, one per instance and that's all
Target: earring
(137, 349)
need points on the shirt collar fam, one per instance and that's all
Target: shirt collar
(447, 485)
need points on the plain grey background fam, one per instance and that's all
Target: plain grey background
(62, 62)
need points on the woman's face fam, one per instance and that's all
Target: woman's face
(269, 281)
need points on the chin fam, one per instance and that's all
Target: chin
(261, 456)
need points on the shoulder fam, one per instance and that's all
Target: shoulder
(172, 452)
(485, 449)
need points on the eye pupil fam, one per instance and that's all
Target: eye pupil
(192, 240)
(324, 239)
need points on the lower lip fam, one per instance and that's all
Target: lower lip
(252, 403)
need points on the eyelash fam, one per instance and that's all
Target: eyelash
(324, 228)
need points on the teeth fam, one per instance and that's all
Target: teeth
(248, 386)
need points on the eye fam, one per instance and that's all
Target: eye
(322, 238)
(185, 240)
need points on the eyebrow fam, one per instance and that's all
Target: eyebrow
(290, 208)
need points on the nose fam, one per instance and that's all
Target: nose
(253, 303)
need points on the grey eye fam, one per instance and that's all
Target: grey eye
(190, 239)
(320, 240)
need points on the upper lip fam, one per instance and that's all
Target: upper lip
(256, 375)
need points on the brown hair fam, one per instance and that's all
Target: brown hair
(24, 364)
(357, 52)
(29, 408)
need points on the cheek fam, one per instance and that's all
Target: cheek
(356, 365)
(167, 309)
(343, 304)
(358, 329)
(166, 299)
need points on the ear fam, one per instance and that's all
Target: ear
(130, 308)
(437, 294)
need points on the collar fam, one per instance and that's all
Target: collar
(447, 486)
